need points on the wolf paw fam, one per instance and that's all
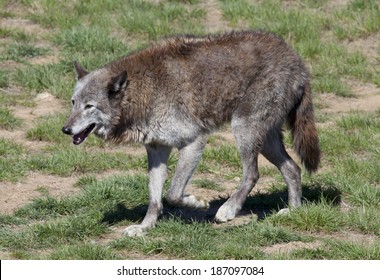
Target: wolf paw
(135, 230)
(192, 202)
(284, 211)
(226, 213)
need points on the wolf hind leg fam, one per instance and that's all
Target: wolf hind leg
(274, 150)
(157, 165)
(248, 142)
(189, 157)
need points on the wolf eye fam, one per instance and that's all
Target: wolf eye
(88, 106)
(72, 102)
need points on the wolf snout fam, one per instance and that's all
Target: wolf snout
(67, 130)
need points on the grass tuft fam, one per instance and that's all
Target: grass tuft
(12, 165)
(4, 78)
(207, 184)
(7, 120)
(313, 217)
(158, 20)
(66, 161)
(19, 52)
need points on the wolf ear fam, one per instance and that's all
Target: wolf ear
(81, 72)
(118, 82)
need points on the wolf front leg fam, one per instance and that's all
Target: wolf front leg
(187, 162)
(157, 164)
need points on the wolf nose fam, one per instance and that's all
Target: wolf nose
(66, 130)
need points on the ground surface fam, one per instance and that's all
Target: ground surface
(14, 194)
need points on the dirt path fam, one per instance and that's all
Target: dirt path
(367, 100)
(214, 18)
(13, 196)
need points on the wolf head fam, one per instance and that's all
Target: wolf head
(94, 101)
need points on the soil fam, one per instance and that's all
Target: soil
(14, 195)
(367, 99)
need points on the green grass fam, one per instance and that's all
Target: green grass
(9, 148)
(88, 40)
(47, 77)
(303, 28)
(18, 36)
(96, 196)
(73, 219)
(207, 184)
(7, 120)
(11, 97)
(343, 198)
(359, 132)
(339, 250)
(365, 219)
(4, 80)
(53, 14)
(52, 233)
(314, 4)
(358, 18)
(202, 241)
(19, 52)
(217, 157)
(84, 252)
(4, 32)
(64, 161)
(335, 62)
(157, 20)
(12, 165)
(49, 128)
(313, 217)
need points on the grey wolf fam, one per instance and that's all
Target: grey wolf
(176, 92)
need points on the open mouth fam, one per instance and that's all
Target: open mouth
(81, 136)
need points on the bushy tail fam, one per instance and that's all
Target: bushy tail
(304, 132)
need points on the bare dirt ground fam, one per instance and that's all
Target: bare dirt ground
(367, 99)
(14, 195)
